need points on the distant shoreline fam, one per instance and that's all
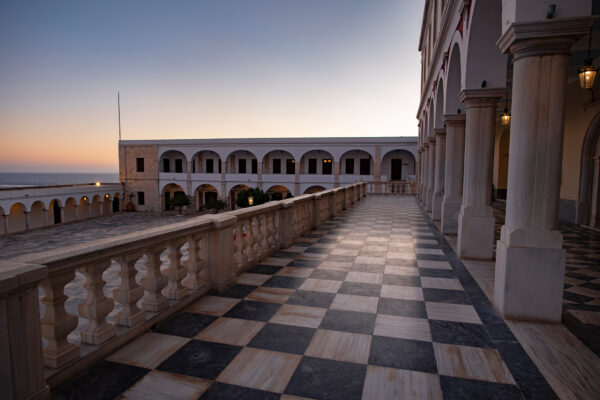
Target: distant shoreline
(27, 179)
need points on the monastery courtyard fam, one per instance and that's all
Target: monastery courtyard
(374, 305)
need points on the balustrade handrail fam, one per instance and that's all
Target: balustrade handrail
(218, 247)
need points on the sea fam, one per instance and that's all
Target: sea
(16, 179)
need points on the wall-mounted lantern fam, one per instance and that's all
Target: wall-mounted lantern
(587, 73)
(505, 118)
(250, 200)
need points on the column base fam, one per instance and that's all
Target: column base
(529, 282)
(475, 237)
(450, 210)
(436, 209)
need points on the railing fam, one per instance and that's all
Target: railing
(403, 187)
(174, 265)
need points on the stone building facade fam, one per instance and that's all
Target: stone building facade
(154, 170)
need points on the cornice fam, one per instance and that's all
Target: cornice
(539, 32)
(455, 119)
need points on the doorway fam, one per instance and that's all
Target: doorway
(56, 212)
(396, 169)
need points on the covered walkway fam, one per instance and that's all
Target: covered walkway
(374, 305)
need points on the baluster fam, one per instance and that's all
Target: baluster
(96, 306)
(237, 246)
(255, 238)
(57, 323)
(154, 281)
(196, 278)
(274, 229)
(249, 255)
(129, 292)
(176, 271)
(264, 234)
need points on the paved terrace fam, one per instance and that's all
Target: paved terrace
(374, 305)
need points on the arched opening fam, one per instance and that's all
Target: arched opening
(95, 209)
(2, 222)
(314, 189)
(37, 216)
(70, 210)
(485, 61)
(116, 203)
(439, 105)
(242, 162)
(83, 210)
(54, 210)
(588, 209)
(279, 162)
(278, 192)
(356, 165)
(16, 218)
(169, 192)
(453, 84)
(204, 194)
(173, 161)
(206, 162)
(397, 165)
(316, 162)
(106, 205)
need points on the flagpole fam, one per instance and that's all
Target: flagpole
(119, 107)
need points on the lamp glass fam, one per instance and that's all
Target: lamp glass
(587, 75)
(250, 200)
(505, 118)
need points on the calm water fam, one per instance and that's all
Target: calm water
(8, 179)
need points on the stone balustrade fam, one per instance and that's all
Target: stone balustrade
(404, 187)
(175, 265)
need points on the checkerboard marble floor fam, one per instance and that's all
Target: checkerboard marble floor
(374, 305)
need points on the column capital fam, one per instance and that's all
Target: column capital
(425, 145)
(431, 139)
(538, 38)
(455, 119)
(487, 97)
(440, 131)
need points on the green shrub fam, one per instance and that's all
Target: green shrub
(180, 200)
(215, 205)
(260, 197)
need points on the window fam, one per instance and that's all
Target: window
(210, 168)
(141, 200)
(276, 166)
(242, 166)
(327, 168)
(312, 165)
(254, 166)
(365, 166)
(290, 167)
(178, 165)
(166, 165)
(193, 166)
(219, 166)
(350, 166)
(139, 165)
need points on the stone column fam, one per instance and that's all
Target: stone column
(224, 194)
(430, 174)
(440, 166)
(76, 212)
(418, 171)
(259, 171)
(476, 220)
(530, 261)
(424, 173)
(453, 178)
(376, 165)
(189, 178)
(336, 174)
(62, 214)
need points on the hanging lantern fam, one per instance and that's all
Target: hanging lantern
(587, 74)
(505, 117)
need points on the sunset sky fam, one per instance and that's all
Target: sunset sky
(199, 69)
